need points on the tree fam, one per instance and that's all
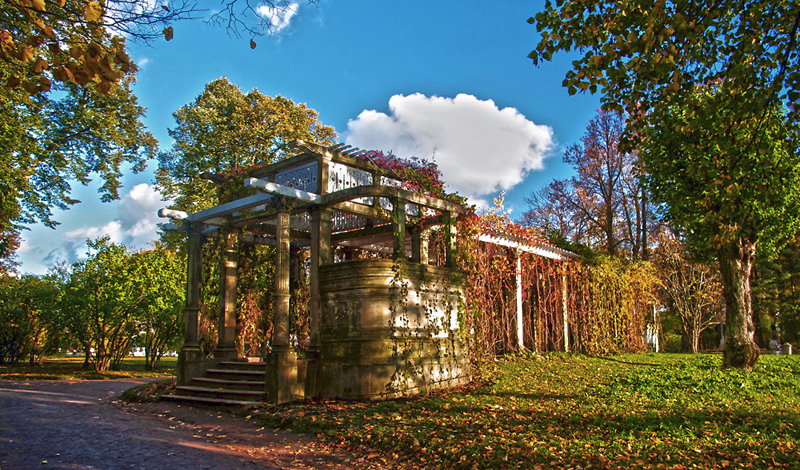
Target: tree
(28, 308)
(604, 205)
(160, 274)
(50, 140)
(711, 85)
(732, 185)
(226, 130)
(103, 294)
(649, 54)
(776, 295)
(79, 41)
(692, 289)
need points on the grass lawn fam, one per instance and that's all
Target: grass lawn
(565, 411)
(71, 367)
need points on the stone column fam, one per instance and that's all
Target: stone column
(399, 228)
(520, 326)
(226, 330)
(424, 246)
(449, 240)
(565, 307)
(281, 377)
(280, 322)
(416, 244)
(190, 359)
(321, 253)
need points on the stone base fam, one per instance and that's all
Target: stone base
(190, 364)
(375, 344)
(281, 379)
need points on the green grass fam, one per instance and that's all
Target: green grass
(60, 367)
(564, 411)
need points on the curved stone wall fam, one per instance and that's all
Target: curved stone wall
(390, 329)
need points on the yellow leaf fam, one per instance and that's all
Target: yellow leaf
(44, 84)
(61, 3)
(48, 31)
(30, 87)
(40, 65)
(12, 82)
(38, 4)
(93, 11)
(168, 33)
(6, 39)
(25, 54)
(104, 87)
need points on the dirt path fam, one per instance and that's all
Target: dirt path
(83, 425)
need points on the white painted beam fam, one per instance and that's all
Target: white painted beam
(278, 189)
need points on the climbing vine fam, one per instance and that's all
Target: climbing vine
(594, 305)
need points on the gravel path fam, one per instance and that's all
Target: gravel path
(82, 425)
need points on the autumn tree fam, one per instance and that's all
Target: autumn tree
(604, 205)
(79, 41)
(50, 141)
(732, 184)
(225, 130)
(711, 86)
(692, 289)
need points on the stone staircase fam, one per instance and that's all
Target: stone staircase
(236, 384)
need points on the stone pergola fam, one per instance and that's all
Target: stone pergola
(366, 339)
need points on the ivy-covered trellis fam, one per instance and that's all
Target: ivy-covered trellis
(382, 283)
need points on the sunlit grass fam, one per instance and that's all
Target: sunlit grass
(71, 367)
(565, 411)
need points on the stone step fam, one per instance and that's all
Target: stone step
(215, 402)
(243, 365)
(257, 385)
(236, 374)
(227, 394)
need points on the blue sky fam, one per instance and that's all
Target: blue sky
(446, 79)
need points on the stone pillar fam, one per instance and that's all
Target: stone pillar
(424, 244)
(416, 244)
(281, 369)
(565, 308)
(449, 240)
(229, 259)
(399, 229)
(321, 253)
(190, 359)
(520, 329)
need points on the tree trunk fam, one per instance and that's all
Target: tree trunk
(736, 261)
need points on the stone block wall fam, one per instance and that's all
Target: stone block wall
(390, 329)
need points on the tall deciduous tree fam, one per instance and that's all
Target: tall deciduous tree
(28, 310)
(226, 130)
(692, 289)
(604, 205)
(776, 295)
(161, 276)
(732, 185)
(50, 140)
(79, 41)
(103, 294)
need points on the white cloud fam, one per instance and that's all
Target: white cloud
(278, 16)
(480, 148)
(135, 226)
